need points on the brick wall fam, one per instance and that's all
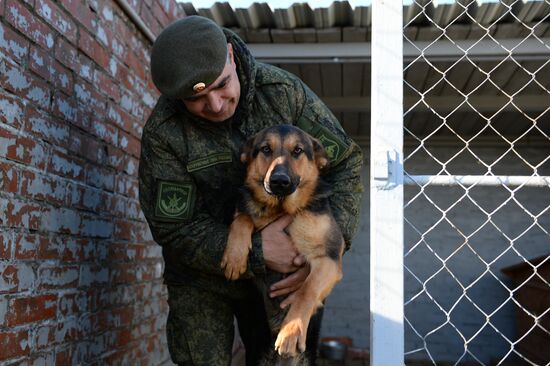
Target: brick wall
(80, 278)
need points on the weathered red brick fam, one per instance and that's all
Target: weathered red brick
(92, 275)
(45, 357)
(56, 17)
(22, 214)
(14, 344)
(81, 11)
(24, 310)
(16, 277)
(43, 187)
(6, 244)
(107, 85)
(117, 205)
(131, 165)
(26, 246)
(161, 14)
(28, 151)
(104, 33)
(105, 131)
(89, 148)
(61, 220)
(44, 336)
(121, 24)
(89, 98)
(123, 230)
(118, 49)
(130, 144)
(100, 177)
(24, 84)
(51, 70)
(116, 158)
(47, 248)
(66, 166)
(63, 356)
(22, 19)
(9, 177)
(67, 331)
(126, 252)
(58, 277)
(7, 139)
(96, 227)
(93, 49)
(47, 127)
(127, 186)
(12, 110)
(90, 199)
(119, 71)
(67, 54)
(12, 44)
(137, 65)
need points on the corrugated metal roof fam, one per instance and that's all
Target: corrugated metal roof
(421, 13)
(345, 86)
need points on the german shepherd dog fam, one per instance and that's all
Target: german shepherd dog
(283, 165)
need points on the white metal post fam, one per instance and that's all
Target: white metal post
(386, 185)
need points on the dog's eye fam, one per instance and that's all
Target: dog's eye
(266, 150)
(297, 151)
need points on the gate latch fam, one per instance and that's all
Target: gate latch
(386, 170)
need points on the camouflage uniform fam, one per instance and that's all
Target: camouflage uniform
(189, 176)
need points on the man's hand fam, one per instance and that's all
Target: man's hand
(279, 250)
(291, 283)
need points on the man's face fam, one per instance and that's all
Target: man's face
(219, 101)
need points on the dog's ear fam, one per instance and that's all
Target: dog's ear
(246, 151)
(319, 154)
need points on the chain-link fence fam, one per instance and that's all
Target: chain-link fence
(477, 200)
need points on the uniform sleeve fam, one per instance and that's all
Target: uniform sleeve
(174, 210)
(346, 160)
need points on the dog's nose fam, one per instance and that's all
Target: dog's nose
(279, 180)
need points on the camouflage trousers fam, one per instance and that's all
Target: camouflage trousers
(200, 328)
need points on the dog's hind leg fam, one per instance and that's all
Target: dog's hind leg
(239, 243)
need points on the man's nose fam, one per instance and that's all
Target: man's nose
(215, 102)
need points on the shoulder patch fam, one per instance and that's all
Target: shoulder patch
(175, 201)
(336, 148)
(217, 158)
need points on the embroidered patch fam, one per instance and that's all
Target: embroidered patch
(175, 200)
(222, 157)
(336, 148)
(331, 147)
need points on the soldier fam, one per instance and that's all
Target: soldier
(214, 97)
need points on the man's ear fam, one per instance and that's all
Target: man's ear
(230, 55)
(246, 151)
(319, 154)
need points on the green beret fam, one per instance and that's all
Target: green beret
(187, 56)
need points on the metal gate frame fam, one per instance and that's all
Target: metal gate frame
(387, 179)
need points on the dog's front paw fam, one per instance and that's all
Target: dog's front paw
(234, 260)
(291, 339)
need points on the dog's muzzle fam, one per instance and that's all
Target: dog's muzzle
(280, 182)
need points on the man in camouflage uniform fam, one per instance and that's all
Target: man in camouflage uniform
(214, 97)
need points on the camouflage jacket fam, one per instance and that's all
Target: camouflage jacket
(190, 172)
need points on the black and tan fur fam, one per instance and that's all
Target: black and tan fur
(283, 177)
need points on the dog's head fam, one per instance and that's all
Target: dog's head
(281, 160)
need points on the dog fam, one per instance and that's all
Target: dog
(283, 176)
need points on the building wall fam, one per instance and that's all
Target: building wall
(80, 279)
(347, 309)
